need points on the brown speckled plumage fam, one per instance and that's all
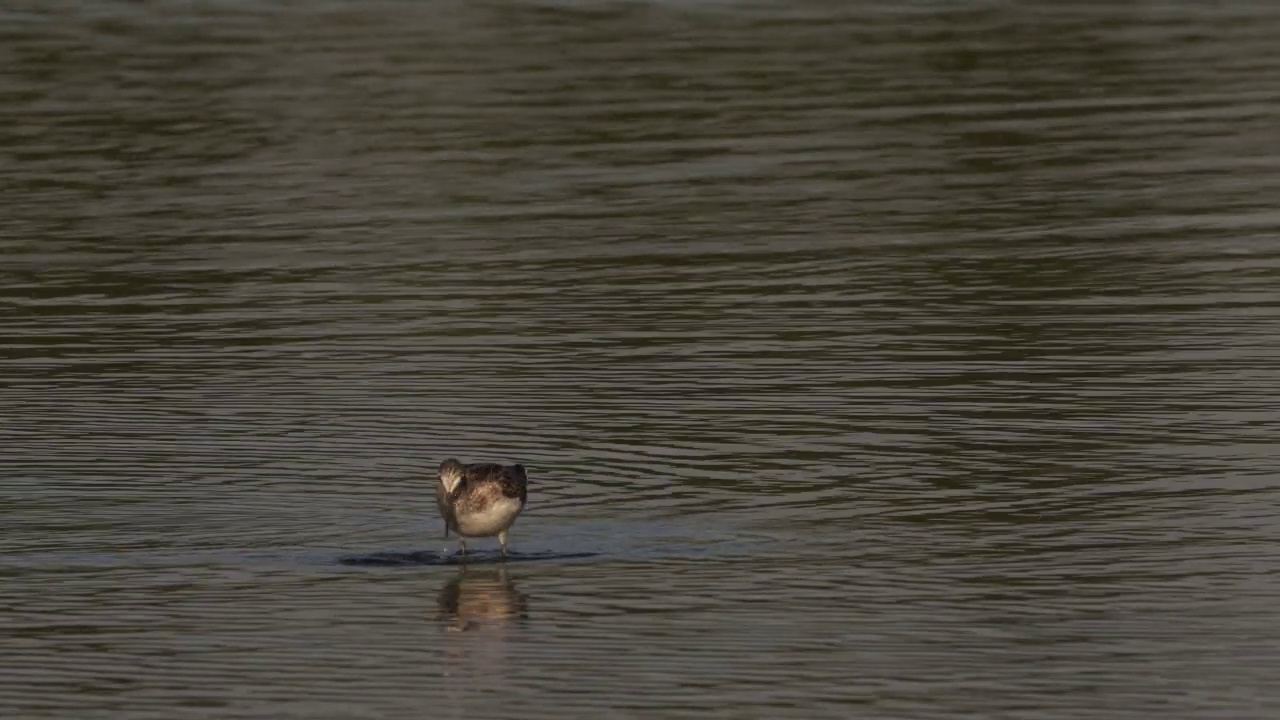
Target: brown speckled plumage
(476, 493)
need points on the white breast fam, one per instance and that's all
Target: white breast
(490, 521)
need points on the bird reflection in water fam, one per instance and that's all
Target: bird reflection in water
(481, 610)
(475, 600)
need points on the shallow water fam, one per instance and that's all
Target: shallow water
(868, 360)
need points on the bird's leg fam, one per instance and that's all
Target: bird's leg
(462, 545)
(502, 540)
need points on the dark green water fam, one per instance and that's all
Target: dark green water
(900, 360)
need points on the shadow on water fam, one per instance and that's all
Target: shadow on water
(434, 557)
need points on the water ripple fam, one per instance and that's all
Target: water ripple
(866, 359)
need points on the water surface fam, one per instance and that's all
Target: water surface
(868, 360)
